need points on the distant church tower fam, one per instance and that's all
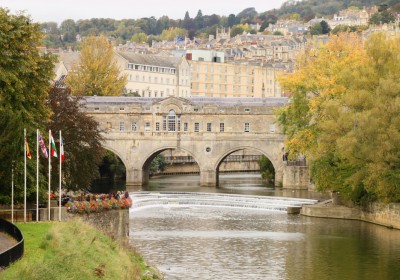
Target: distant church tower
(222, 34)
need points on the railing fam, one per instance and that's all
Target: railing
(299, 162)
(231, 158)
(14, 253)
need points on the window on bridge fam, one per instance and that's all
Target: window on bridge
(171, 120)
(246, 127)
(133, 126)
(196, 127)
(221, 127)
(208, 127)
(122, 126)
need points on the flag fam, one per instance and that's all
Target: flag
(28, 152)
(42, 146)
(53, 149)
(62, 150)
(179, 38)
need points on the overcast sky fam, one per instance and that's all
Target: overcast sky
(59, 10)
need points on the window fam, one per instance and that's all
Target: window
(208, 127)
(246, 127)
(121, 126)
(122, 109)
(147, 126)
(133, 126)
(171, 120)
(164, 123)
(157, 126)
(185, 126)
(221, 127)
(196, 127)
(272, 128)
(247, 109)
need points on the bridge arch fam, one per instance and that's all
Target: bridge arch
(227, 153)
(144, 164)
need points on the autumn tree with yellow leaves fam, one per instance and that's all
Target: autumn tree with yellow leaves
(344, 116)
(97, 72)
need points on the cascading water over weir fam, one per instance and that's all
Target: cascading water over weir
(181, 199)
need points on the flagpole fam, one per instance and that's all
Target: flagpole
(12, 192)
(49, 174)
(59, 183)
(24, 175)
(37, 175)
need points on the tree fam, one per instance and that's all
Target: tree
(199, 20)
(25, 77)
(267, 169)
(82, 139)
(139, 38)
(316, 29)
(68, 30)
(325, 27)
(232, 20)
(344, 116)
(171, 34)
(157, 165)
(382, 17)
(97, 72)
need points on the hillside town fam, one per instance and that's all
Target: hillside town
(246, 65)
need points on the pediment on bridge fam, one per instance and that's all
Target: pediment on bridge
(177, 104)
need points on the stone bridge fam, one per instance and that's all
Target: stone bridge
(209, 129)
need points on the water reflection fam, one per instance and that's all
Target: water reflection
(219, 243)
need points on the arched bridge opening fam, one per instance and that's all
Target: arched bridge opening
(112, 173)
(246, 160)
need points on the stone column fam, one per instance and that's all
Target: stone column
(208, 178)
(135, 179)
(278, 178)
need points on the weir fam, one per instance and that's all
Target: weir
(182, 199)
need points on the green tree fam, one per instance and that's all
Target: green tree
(199, 20)
(267, 169)
(316, 29)
(382, 17)
(25, 77)
(325, 27)
(68, 31)
(171, 33)
(97, 72)
(139, 38)
(81, 136)
(157, 165)
(344, 116)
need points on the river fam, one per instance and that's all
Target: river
(204, 242)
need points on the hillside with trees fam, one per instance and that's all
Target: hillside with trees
(147, 29)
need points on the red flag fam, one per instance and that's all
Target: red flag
(62, 150)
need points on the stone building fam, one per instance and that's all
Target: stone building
(155, 76)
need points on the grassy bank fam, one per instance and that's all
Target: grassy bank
(73, 250)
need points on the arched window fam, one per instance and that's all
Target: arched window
(171, 120)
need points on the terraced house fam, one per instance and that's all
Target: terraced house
(155, 76)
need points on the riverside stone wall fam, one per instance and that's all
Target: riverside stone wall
(377, 213)
(114, 223)
(382, 214)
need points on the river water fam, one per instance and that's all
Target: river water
(205, 242)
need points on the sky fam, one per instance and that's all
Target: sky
(60, 10)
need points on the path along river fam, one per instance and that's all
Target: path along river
(222, 242)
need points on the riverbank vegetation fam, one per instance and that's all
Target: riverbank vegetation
(344, 116)
(73, 250)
